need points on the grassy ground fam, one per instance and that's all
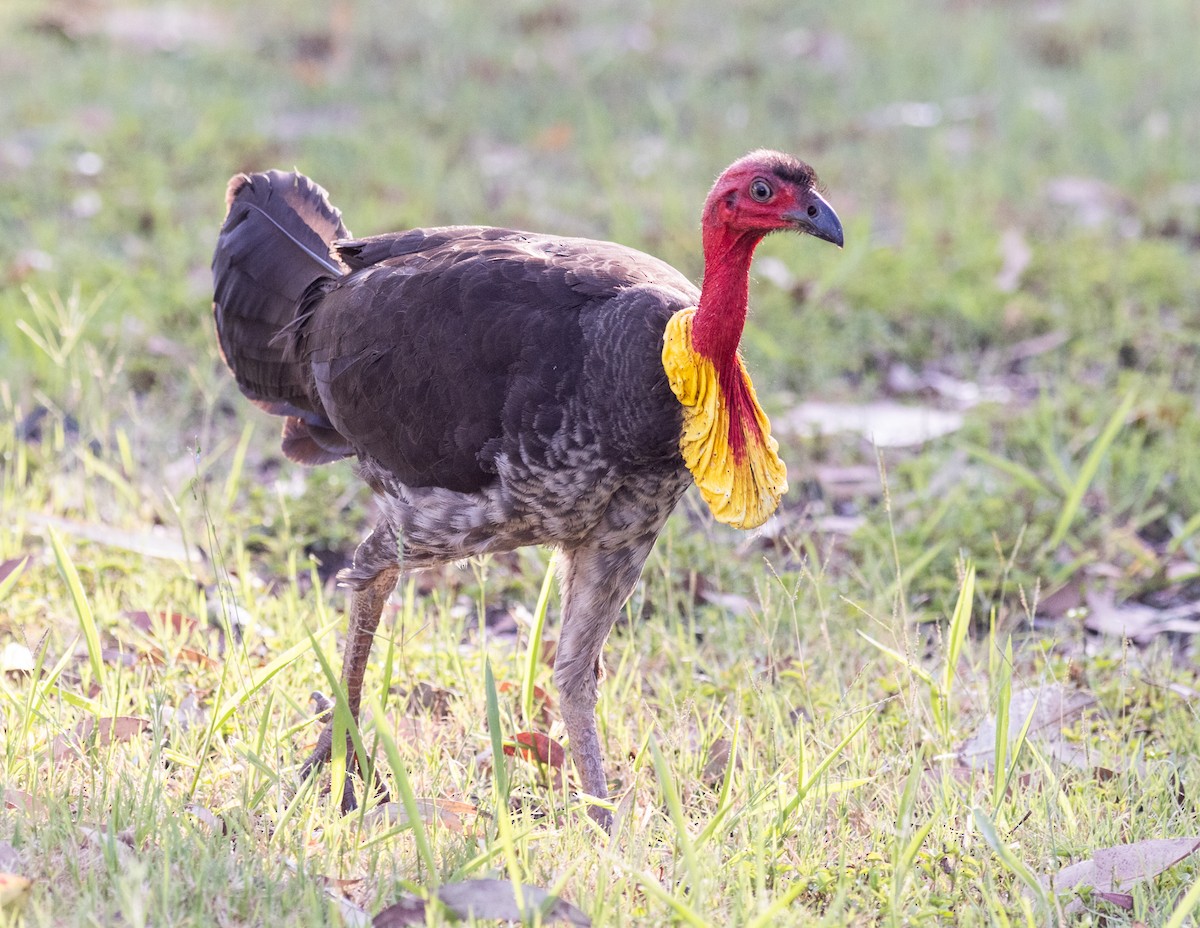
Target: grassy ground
(1019, 186)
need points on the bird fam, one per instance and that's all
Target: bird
(501, 388)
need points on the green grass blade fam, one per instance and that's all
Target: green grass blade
(504, 825)
(47, 683)
(239, 699)
(960, 623)
(915, 566)
(723, 803)
(237, 465)
(37, 693)
(10, 581)
(405, 621)
(1003, 701)
(1023, 475)
(915, 669)
(675, 809)
(343, 724)
(1087, 473)
(770, 915)
(1181, 536)
(909, 854)
(834, 754)
(807, 784)
(1015, 754)
(904, 855)
(300, 802)
(987, 828)
(1186, 906)
(534, 655)
(497, 738)
(97, 467)
(1050, 457)
(407, 796)
(91, 634)
(801, 751)
(908, 798)
(13, 576)
(653, 888)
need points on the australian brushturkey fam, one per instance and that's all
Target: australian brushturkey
(503, 388)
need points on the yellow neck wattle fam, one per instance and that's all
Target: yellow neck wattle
(744, 489)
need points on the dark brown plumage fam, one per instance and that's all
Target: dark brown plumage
(498, 388)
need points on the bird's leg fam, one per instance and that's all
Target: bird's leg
(371, 580)
(595, 585)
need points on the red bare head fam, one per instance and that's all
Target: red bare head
(763, 192)
(767, 191)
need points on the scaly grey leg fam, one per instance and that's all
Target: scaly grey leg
(371, 580)
(595, 585)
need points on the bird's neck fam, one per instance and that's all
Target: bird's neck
(720, 319)
(724, 294)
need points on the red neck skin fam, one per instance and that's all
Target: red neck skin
(721, 317)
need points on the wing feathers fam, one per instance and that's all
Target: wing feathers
(438, 353)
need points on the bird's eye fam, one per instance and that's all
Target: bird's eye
(760, 190)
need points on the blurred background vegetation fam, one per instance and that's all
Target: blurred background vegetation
(1019, 182)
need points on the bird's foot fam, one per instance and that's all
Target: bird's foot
(323, 753)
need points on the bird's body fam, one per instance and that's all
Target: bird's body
(499, 389)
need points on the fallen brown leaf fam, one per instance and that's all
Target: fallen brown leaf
(497, 899)
(11, 569)
(158, 657)
(408, 910)
(341, 883)
(717, 762)
(885, 424)
(101, 843)
(535, 746)
(1122, 900)
(483, 899)
(1053, 707)
(155, 541)
(1136, 621)
(1057, 603)
(543, 701)
(539, 693)
(22, 801)
(446, 812)
(93, 733)
(1092, 202)
(427, 698)
(214, 823)
(1114, 869)
(353, 915)
(119, 656)
(174, 622)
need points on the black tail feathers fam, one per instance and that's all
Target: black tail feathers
(274, 245)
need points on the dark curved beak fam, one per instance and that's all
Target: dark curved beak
(817, 218)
